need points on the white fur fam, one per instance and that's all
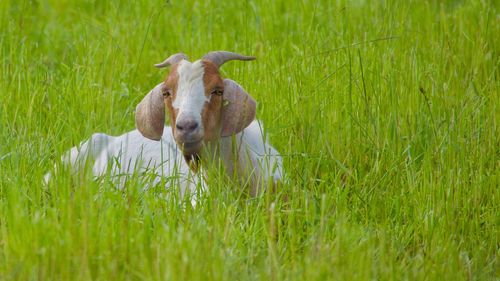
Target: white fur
(190, 97)
(257, 161)
(123, 156)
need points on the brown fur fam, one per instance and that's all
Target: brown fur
(211, 113)
(171, 84)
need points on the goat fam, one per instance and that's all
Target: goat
(212, 122)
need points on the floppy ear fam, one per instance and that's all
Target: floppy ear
(150, 114)
(238, 109)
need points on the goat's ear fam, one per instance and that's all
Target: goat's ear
(150, 114)
(238, 109)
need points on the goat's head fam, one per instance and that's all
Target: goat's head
(202, 106)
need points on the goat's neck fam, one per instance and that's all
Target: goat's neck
(223, 152)
(229, 153)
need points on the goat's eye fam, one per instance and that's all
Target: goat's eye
(167, 93)
(217, 92)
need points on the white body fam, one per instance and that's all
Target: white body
(163, 162)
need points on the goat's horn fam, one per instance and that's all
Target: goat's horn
(173, 59)
(220, 57)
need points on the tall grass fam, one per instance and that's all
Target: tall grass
(386, 112)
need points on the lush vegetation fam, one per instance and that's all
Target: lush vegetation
(387, 114)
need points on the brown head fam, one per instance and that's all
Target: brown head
(202, 106)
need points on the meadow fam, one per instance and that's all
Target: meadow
(386, 113)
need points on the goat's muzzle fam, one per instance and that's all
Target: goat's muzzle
(191, 148)
(188, 135)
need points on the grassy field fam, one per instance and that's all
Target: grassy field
(386, 112)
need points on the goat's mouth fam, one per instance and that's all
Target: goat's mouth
(191, 148)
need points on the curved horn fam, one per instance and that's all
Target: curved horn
(173, 59)
(220, 57)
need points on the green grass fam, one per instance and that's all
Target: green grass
(387, 114)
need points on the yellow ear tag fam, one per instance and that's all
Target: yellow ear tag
(225, 103)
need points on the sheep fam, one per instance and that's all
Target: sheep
(212, 123)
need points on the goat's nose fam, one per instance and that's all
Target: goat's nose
(186, 125)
